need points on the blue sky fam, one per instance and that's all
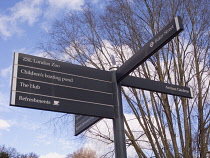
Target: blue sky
(22, 24)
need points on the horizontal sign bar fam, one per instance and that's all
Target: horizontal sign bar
(82, 123)
(156, 43)
(41, 102)
(157, 86)
(62, 67)
(64, 92)
(63, 79)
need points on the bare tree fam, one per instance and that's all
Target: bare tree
(8, 152)
(30, 155)
(4, 155)
(171, 126)
(83, 153)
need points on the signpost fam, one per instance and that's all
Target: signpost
(62, 87)
(84, 122)
(156, 43)
(156, 86)
(46, 84)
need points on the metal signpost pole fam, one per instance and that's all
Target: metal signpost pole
(118, 121)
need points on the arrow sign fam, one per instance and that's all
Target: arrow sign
(84, 122)
(157, 86)
(157, 42)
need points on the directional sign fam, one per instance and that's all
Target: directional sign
(157, 86)
(156, 43)
(84, 122)
(46, 84)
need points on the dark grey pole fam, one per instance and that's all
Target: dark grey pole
(118, 121)
(118, 124)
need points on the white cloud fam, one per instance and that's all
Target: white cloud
(4, 125)
(31, 11)
(54, 6)
(26, 11)
(6, 72)
(45, 26)
(52, 155)
(71, 145)
(42, 54)
(73, 4)
(3, 26)
(8, 26)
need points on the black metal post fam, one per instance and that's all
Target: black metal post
(118, 123)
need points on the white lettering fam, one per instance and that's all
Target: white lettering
(67, 80)
(55, 65)
(53, 77)
(34, 86)
(34, 100)
(27, 59)
(41, 62)
(162, 35)
(171, 88)
(22, 84)
(167, 31)
(159, 38)
(182, 90)
(45, 63)
(177, 89)
(32, 73)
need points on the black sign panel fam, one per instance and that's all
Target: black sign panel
(62, 79)
(157, 86)
(84, 122)
(57, 86)
(156, 43)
